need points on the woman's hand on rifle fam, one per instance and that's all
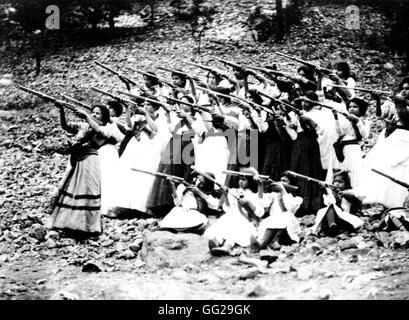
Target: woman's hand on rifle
(335, 113)
(81, 114)
(353, 119)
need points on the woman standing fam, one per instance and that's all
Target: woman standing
(176, 159)
(352, 131)
(78, 203)
(306, 160)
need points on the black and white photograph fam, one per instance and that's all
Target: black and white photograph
(204, 150)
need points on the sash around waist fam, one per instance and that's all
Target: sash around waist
(81, 152)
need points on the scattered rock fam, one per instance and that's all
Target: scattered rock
(325, 294)
(250, 275)
(371, 292)
(257, 291)
(51, 244)
(52, 234)
(166, 249)
(346, 244)
(400, 239)
(38, 232)
(91, 267)
(136, 245)
(127, 254)
(308, 220)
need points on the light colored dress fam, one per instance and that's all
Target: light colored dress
(212, 152)
(233, 226)
(353, 154)
(145, 154)
(185, 214)
(341, 212)
(390, 156)
(109, 162)
(282, 208)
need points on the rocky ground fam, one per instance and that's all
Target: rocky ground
(130, 260)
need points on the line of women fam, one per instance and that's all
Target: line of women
(251, 123)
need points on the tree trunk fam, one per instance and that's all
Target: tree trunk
(152, 6)
(279, 20)
(111, 20)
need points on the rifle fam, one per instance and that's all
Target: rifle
(229, 63)
(114, 96)
(164, 105)
(84, 105)
(309, 64)
(153, 76)
(163, 175)
(276, 72)
(283, 103)
(202, 108)
(346, 114)
(120, 75)
(240, 100)
(48, 98)
(389, 93)
(309, 179)
(288, 187)
(214, 180)
(401, 183)
(204, 67)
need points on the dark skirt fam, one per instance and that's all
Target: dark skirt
(243, 153)
(78, 203)
(306, 160)
(274, 157)
(160, 201)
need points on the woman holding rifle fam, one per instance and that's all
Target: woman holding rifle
(77, 206)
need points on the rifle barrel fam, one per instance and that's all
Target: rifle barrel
(114, 72)
(47, 97)
(362, 89)
(401, 183)
(84, 105)
(298, 175)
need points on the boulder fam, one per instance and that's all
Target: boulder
(165, 249)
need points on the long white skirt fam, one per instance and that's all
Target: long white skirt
(391, 156)
(212, 156)
(232, 227)
(353, 162)
(109, 160)
(285, 220)
(355, 221)
(180, 218)
(135, 187)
